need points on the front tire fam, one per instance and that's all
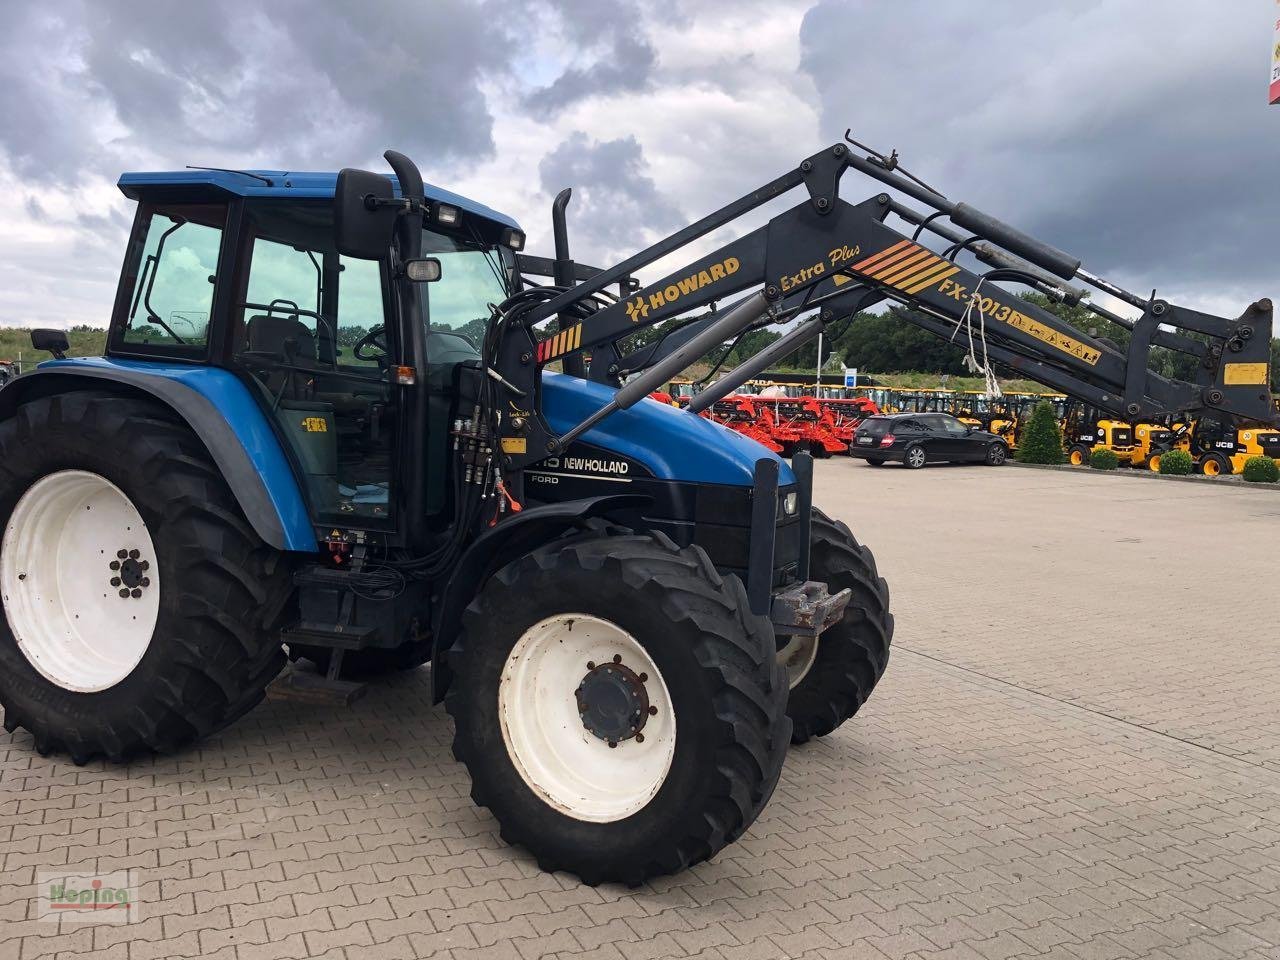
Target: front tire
(1215, 465)
(832, 677)
(104, 654)
(568, 648)
(1078, 455)
(997, 454)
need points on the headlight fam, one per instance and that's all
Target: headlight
(513, 238)
(791, 503)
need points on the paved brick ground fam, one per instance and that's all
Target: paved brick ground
(1075, 754)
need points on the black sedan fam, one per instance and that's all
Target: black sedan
(915, 439)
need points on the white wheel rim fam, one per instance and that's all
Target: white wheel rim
(797, 656)
(564, 763)
(69, 620)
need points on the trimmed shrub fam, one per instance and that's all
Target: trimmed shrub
(1041, 440)
(1104, 459)
(1176, 463)
(1261, 470)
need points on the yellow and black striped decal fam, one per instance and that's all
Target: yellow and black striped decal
(563, 342)
(906, 266)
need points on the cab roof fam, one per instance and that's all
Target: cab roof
(197, 185)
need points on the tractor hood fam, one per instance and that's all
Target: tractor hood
(673, 443)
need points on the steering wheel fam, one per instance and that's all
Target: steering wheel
(376, 339)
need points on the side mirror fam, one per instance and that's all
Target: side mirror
(54, 341)
(364, 214)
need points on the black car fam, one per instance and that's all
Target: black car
(919, 438)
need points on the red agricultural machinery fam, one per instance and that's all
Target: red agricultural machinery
(844, 415)
(788, 425)
(750, 417)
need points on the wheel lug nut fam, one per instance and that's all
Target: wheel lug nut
(122, 554)
(644, 678)
(613, 744)
(145, 565)
(115, 581)
(136, 593)
(639, 738)
(591, 664)
(146, 581)
(114, 564)
(617, 658)
(124, 593)
(653, 711)
(133, 554)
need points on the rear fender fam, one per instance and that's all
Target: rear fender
(516, 536)
(219, 410)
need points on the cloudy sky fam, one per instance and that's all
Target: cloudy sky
(1134, 134)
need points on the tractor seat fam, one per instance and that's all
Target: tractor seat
(282, 336)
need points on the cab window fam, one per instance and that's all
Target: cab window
(171, 274)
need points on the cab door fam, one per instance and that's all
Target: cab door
(308, 330)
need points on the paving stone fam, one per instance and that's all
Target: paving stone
(1053, 767)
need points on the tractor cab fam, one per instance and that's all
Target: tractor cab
(241, 271)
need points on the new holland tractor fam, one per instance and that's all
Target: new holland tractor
(328, 426)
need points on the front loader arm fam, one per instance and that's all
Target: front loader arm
(816, 255)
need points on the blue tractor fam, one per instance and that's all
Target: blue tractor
(339, 420)
(292, 448)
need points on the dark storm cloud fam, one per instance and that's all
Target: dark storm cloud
(288, 83)
(1135, 136)
(624, 58)
(614, 199)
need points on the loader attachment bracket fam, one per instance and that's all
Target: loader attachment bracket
(822, 174)
(807, 609)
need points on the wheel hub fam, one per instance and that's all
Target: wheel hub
(129, 573)
(613, 702)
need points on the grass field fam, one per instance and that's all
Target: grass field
(920, 381)
(15, 342)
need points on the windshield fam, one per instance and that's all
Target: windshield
(472, 276)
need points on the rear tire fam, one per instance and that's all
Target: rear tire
(1078, 455)
(616, 814)
(216, 590)
(914, 457)
(851, 655)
